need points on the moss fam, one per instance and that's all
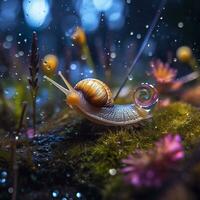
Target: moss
(109, 149)
(93, 159)
(89, 151)
(172, 117)
(177, 118)
(112, 147)
(116, 190)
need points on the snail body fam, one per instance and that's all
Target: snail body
(93, 99)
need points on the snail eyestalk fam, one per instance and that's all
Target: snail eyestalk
(61, 88)
(66, 81)
(72, 96)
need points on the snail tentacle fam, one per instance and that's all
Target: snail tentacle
(64, 90)
(65, 81)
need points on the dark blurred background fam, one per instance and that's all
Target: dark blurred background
(115, 30)
(113, 27)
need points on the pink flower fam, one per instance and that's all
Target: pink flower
(151, 168)
(162, 72)
(170, 147)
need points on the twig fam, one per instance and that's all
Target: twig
(14, 147)
(33, 80)
(146, 39)
(189, 77)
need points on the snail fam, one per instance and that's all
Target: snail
(93, 99)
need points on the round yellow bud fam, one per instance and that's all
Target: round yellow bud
(184, 54)
(79, 36)
(49, 64)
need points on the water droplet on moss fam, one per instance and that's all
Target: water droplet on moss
(112, 171)
(55, 193)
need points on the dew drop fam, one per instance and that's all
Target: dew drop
(130, 77)
(113, 55)
(10, 190)
(112, 172)
(78, 195)
(138, 36)
(180, 24)
(73, 66)
(9, 38)
(55, 193)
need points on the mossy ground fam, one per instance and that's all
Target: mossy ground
(93, 159)
(89, 151)
(115, 144)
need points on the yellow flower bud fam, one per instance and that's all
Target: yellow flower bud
(49, 64)
(79, 36)
(184, 54)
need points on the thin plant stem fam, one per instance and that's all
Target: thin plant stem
(14, 148)
(86, 52)
(146, 39)
(33, 80)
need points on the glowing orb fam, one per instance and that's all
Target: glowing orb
(184, 54)
(49, 64)
(102, 5)
(36, 12)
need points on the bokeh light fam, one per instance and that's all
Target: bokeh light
(90, 21)
(75, 71)
(37, 12)
(115, 16)
(69, 24)
(103, 5)
(184, 53)
(90, 12)
(89, 15)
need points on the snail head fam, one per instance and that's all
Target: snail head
(72, 96)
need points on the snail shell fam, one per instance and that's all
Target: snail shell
(95, 92)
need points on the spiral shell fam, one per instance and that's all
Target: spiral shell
(95, 92)
(145, 96)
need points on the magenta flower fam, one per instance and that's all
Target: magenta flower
(151, 168)
(139, 171)
(170, 147)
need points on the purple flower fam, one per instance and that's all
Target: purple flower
(138, 170)
(30, 133)
(151, 168)
(170, 147)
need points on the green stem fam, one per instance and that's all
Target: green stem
(86, 53)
